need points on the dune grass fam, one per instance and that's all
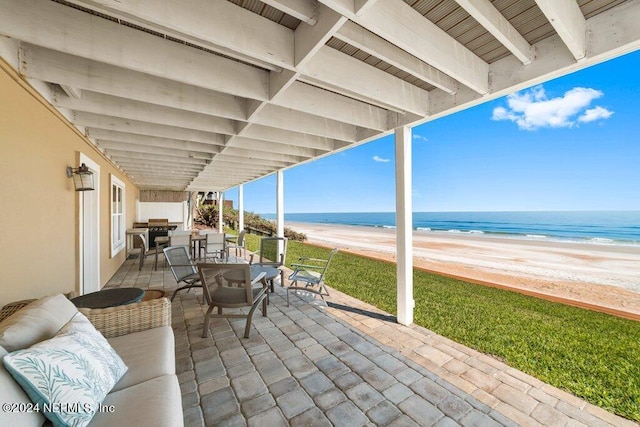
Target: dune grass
(592, 355)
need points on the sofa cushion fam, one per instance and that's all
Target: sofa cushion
(148, 354)
(18, 414)
(156, 403)
(75, 370)
(36, 322)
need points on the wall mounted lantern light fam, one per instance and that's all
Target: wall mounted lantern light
(82, 177)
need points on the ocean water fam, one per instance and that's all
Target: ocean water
(600, 227)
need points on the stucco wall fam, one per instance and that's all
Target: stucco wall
(39, 207)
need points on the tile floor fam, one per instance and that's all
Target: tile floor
(345, 364)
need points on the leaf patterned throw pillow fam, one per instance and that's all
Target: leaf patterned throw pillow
(69, 375)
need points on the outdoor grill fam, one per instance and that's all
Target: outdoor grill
(157, 227)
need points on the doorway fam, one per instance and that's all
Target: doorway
(89, 244)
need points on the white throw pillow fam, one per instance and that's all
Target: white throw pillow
(69, 375)
(36, 322)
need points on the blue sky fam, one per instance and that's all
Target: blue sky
(570, 144)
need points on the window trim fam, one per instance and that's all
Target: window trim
(119, 244)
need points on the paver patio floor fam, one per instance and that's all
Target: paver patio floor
(344, 364)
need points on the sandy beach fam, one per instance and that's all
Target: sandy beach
(599, 274)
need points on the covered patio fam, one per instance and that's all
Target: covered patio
(159, 96)
(345, 364)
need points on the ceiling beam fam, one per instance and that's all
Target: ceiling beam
(297, 121)
(96, 103)
(255, 160)
(151, 158)
(362, 81)
(97, 121)
(304, 10)
(166, 166)
(273, 147)
(265, 133)
(58, 27)
(109, 146)
(211, 24)
(69, 70)
(567, 19)
(310, 99)
(400, 24)
(251, 153)
(378, 47)
(493, 21)
(152, 141)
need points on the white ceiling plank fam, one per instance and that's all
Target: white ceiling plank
(57, 27)
(72, 92)
(96, 103)
(157, 165)
(398, 23)
(313, 100)
(566, 18)
(250, 153)
(134, 164)
(152, 141)
(104, 122)
(112, 146)
(366, 41)
(142, 148)
(159, 172)
(297, 121)
(493, 21)
(56, 67)
(256, 160)
(272, 147)
(156, 157)
(362, 80)
(266, 133)
(304, 10)
(208, 23)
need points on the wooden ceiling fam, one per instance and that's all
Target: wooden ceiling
(208, 94)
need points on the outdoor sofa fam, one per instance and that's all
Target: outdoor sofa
(140, 334)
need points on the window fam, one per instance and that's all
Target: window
(117, 216)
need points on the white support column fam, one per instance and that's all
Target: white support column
(404, 226)
(240, 207)
(280, 207)
(220, 211)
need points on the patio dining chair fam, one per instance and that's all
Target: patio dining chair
(218, 294)
(215, 245)
(144, 249)
(238, 245)
(182, 268)
(310, 273)
(268, 255)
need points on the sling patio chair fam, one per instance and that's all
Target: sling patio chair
(268, 255)
(310, 273)
(219, 294)
(144, 250)
(182, 268)
(238, 245)
(214, 248)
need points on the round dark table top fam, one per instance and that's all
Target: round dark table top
(109, 298)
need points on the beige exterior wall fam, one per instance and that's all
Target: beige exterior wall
(38, 205)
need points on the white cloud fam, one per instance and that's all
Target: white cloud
(420, 137)
(532, 109)
(594, 114)
(380, 159)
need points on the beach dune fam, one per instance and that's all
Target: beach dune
(599, 274)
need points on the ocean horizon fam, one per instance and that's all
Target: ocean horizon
(600, 227)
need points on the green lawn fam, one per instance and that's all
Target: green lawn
(592, 355)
